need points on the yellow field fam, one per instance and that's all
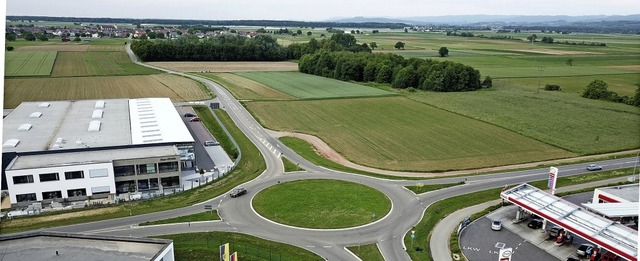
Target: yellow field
(226, 66)
(245, 89)
(79, 88)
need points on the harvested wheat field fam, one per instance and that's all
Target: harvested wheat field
(56, 47)
(80, 88)
(227, 66)
(245, 89)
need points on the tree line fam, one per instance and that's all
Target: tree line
(423, 74)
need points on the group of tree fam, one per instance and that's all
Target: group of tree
(338, 42)
(598, 89)
(424, 74)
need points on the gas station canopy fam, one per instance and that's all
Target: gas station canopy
(612, 236)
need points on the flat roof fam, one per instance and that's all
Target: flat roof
(38, 246)
(59, 125)
(90, 157)
(629, 192)
(627, 209)
(612, 236)
(156, 120)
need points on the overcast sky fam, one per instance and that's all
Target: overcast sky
(312, 10)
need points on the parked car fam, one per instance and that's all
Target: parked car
(236, 192)
(609, 256)
(554, 231)
(496, 225)
(593, 167)
(585, 250)
(211, 143)
(194, 119)
(535, 223)
(189, 114)
(573, 258)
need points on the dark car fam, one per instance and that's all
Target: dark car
(573, 258)
(236, 192)
(189, 114)
(535, 223)
(554, 231)
(194, 119)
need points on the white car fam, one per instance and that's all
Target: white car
(496, 225)
(592, 167)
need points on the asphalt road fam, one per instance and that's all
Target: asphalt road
(238, 215)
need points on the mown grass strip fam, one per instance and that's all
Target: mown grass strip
(202, 216)
(443, 208)
(205, 246)
(216, 130)
(290, 166)
(368, 252)
(248, 168)
(419, 189)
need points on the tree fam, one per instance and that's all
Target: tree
(43, 38)
(261, 30)
(30, 37)
(569, 62)
(309, 33)
(406, 30)
(597, 89)
(375, 31)
(487, 82)
(299, 32)
(636, 98)
(399, 45)
(532, 38)
(353, 31)
(373, 45)
(443, 51)
(11, 37)
(77, 39)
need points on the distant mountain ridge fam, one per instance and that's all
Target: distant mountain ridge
(475, 19)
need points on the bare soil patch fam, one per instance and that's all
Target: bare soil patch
(226, 66)
(55, 47)
(627, 67)
(554, 52)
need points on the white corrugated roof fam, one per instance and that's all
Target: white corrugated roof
(626, 209)
(156, 120)
(608, 234)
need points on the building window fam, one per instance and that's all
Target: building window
(77, 192)
(98, 173)
(143, 184)
(100, 190)
(51, 194)
(126, 186)
(168, 166)
(170, 182)
(128, 170)
(74, 174)
(49, 177)
(148, 168)
(23, 179)
(26, 197)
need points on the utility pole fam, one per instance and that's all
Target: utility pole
(541, 69)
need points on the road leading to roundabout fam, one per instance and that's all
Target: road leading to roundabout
(321, 204)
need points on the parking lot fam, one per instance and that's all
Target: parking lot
(479, 242)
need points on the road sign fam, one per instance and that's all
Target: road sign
(553, 177)
(208, 207)
(505, 254)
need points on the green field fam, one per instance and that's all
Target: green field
(368, 252)
(400, 134)
(97, 64)
(305, 86)
(321, 204)
(202, 216)
(29, 63)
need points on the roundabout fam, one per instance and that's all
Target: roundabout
(321, 204)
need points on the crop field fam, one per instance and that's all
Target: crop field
(96, 64)
(29, 63)
(400, 134)
(227, 66)
(245, 89)
(55, 47)
(177, 88)
(306, 86)
(565, 120)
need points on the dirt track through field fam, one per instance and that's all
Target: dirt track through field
(227, 66)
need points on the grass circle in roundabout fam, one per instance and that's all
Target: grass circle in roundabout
(322, 204)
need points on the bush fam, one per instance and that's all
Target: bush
(551, 87)
(10, 48)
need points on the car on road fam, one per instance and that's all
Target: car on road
(593, 167)
(188, 114)
(236, 192)
(211, 143)
(535, 223)
(194, 119)
(496, 225)
(585, 250)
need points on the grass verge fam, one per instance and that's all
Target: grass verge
(322, 204)
(202, 216)
(248, 168)
(290, 166)
(368, 252)
(443, 208)
(212, 125)
(205, 246)
(419, 189)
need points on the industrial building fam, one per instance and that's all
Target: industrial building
(72, 150)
